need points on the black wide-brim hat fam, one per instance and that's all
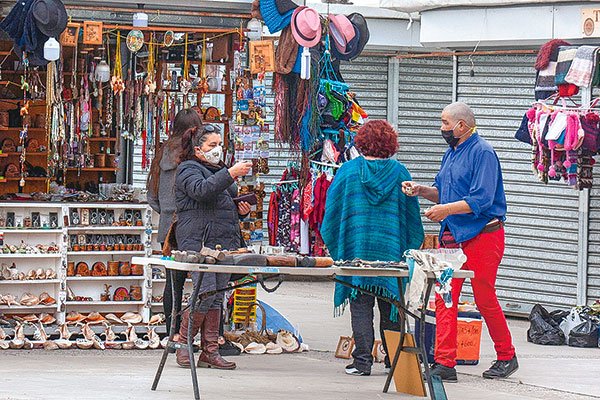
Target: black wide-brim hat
(360, 23)
(50, 17)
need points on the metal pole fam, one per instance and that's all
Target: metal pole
(584, 226)
(393, 88)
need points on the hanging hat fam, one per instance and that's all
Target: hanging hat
(306, 26)
(50, 17)
(352, 51)
(13, 24)
(286, 52)
(342, 32)
(360, 23)
(273, 19)
(283, 6)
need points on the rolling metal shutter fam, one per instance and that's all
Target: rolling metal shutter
(593, 278)
(425, 88)
(540, 260)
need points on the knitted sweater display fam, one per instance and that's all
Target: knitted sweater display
(368, 217)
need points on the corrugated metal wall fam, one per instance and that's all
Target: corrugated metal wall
(540, 261)
(593, 281)
(425, 88)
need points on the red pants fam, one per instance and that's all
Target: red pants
(484, 253)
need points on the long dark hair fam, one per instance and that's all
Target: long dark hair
(186, 120)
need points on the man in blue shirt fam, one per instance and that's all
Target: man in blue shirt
(471, 209)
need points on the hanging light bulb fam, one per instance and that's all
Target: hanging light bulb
(254, 29)
(51, 50)
(102, 71)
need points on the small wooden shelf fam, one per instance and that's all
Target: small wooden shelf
(106, 253)
(20, 307)
(104, 303)
(106, 228)
(22, 255)
(106, 278)
(93, 169)
(102, 139)
(30, 282)
(30, 179)
(36, 231)
(37, 153)
(19, 128)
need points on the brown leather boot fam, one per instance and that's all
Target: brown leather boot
(210, 357)
(183, 356)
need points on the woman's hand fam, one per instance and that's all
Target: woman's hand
(243, 208)
(240, 168)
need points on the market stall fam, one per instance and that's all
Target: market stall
(77, 97)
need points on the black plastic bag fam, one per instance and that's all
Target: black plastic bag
(543, 329)
(584, 335)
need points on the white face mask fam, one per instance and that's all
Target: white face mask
(214, 156)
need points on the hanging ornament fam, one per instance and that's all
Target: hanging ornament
(135, 41)
(150, 84)
(169, 38)
(117, 84)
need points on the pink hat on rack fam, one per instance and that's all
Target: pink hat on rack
(306, 26)
(342, 31)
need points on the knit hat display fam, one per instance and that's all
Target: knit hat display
(547, 53)
(272, 18)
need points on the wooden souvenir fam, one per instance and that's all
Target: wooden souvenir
(70, 35)
(137, 269)
(121, 294)
(85, 216)
(344, 347)
(135, 293)
(82, 269)
(70, 268)
(113, 268)
(99, 269)
(92, 32)
(262, 56)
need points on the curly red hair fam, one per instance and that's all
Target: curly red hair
(377, 138)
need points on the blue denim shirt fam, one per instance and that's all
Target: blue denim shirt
(472, 173)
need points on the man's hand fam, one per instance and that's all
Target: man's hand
(437, 213)
(411, 189)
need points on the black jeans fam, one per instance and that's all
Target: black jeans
(177, 287)
(361, 310)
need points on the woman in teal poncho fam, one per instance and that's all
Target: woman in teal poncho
(368, 217)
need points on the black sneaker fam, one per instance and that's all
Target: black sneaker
(446, 374)
(354, 371)
(502, 369)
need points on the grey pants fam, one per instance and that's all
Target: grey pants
(361, 310)
(210, 281)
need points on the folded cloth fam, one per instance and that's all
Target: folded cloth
(566, 54)
(582, 67)
(544, 85)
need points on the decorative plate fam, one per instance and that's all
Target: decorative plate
(135, 40)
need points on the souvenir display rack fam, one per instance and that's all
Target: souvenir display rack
(89, 273)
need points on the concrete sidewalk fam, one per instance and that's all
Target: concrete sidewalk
(545, 373)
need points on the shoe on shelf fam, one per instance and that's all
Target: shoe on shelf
(354, 371)
(502, 369)
(446, 374)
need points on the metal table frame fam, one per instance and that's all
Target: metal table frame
(266, 273)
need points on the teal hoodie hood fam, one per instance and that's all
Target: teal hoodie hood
(379, 178)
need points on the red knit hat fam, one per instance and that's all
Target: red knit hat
(545, 54)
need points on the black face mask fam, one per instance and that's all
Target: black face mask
(449, 137)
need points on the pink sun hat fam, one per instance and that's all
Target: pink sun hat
(342, 31)
(306, 26)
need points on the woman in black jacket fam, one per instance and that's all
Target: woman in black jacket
(207, 216)
(161, 197)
